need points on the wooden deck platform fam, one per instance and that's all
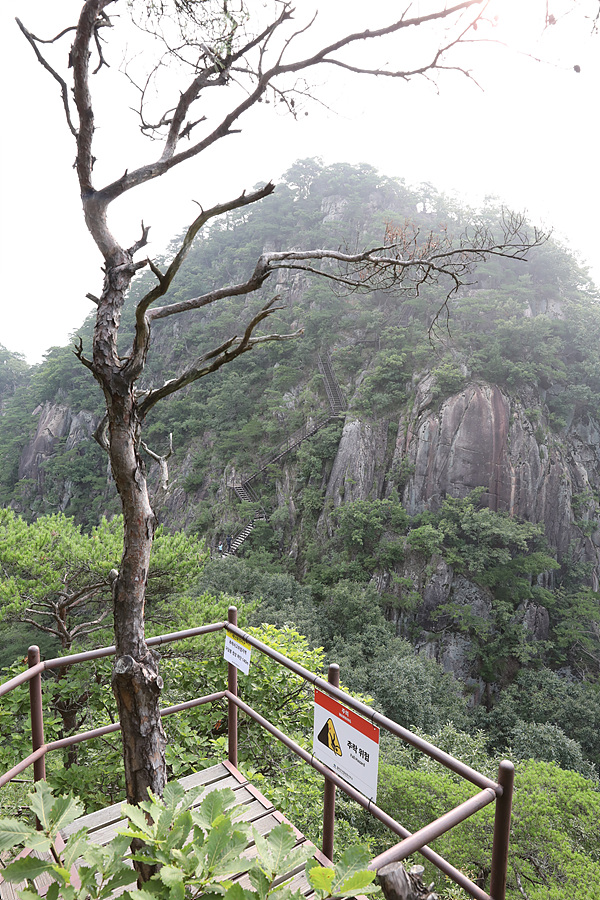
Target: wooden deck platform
(102, 825)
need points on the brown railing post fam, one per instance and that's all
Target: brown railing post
(232, 721)
(333, 677)
(506, 777)
(36, 713)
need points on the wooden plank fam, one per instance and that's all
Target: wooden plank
(104, 835)
(112, 814)
(253, 810)
(256, 809)
(205, 776)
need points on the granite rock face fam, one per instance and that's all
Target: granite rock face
(481, 437)
(358, 471)
(55, 423)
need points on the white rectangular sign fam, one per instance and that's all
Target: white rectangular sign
(237, 652)
(346, 743)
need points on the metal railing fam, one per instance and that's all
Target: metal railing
(490, 791)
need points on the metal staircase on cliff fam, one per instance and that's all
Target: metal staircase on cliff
(244, 489)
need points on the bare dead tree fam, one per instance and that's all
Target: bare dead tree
(220, 46)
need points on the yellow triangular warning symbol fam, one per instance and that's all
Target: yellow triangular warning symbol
(328, 737)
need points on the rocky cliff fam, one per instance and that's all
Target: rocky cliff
(480, 437)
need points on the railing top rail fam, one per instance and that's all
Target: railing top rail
(372, 715)
(100, 653)
(95, 733)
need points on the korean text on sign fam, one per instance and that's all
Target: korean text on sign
(237, 652)
(346, 743)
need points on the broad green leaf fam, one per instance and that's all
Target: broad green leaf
(274, 851)
(237, 892)
(123, 878)
(353, 859)
(41, 800)
(14, 832)
(214, 892)
(177, 891)
(180, 831)
(145, 893)
(259, 882)
(215, 804)
(359, 883)
(173, 795)
(298, 857)
(136, 815)
(320, 878)
(61, 873)
(94, 855)
(171, 875)
(26, 867)
(64, 811)
(224, 845)
(76, 846)
(283, 892)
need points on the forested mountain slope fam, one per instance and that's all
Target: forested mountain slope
(502, 399)
(437, 535)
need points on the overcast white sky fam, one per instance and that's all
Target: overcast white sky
(530, 137)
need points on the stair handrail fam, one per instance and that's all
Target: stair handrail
(307, 430)
(335, 395)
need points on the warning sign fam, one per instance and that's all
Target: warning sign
(346, 743)
(237, 652)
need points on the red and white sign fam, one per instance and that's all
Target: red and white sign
(346, 743)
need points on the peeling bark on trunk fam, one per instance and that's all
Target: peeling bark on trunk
(136, 681)
(398, 884)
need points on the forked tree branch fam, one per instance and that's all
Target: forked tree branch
(214, 359)
(162, 462)
(380, 267)
(142, 318)
(93, 16)
(64, 90)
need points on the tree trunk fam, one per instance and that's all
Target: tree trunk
(136, 681)
(398, 884)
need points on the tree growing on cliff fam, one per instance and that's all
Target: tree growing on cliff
(250, 57)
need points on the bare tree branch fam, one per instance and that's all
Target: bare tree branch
(378, 267)
(142, 317)
(64, 90)
(162, 462)
(216, 358)
(218, 73)
(101, 434)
